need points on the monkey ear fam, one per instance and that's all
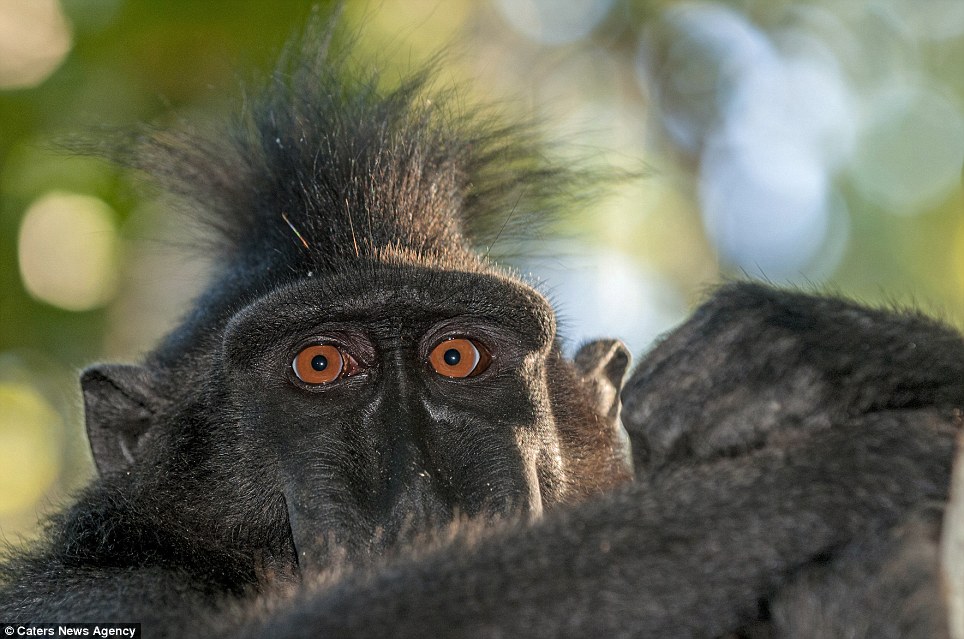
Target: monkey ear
(119, 407)
(604, 363)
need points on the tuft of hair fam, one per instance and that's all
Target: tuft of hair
(323, 166)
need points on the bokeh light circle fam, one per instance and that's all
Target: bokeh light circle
(34, 40)
(67, 251)
(30, 434)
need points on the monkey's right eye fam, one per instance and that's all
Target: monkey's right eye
(322, 363)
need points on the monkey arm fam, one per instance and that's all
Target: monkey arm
(689, 552)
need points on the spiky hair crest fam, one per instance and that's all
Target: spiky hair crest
(323, 166)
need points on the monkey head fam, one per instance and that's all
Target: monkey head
(356, 372)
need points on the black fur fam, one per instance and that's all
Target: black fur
(792, 352)
(785, 445)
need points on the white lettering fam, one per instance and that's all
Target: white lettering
(113, 632)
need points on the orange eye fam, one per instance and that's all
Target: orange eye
(320, 364)
(459, 357)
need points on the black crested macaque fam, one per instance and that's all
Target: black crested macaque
(366, 428)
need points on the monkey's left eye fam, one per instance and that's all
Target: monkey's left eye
(459, 357)
(322, 364)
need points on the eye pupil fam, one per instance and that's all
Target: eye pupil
(319, 362)
(452, 357)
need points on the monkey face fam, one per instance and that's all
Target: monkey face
(384, 401)
(354, 410)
